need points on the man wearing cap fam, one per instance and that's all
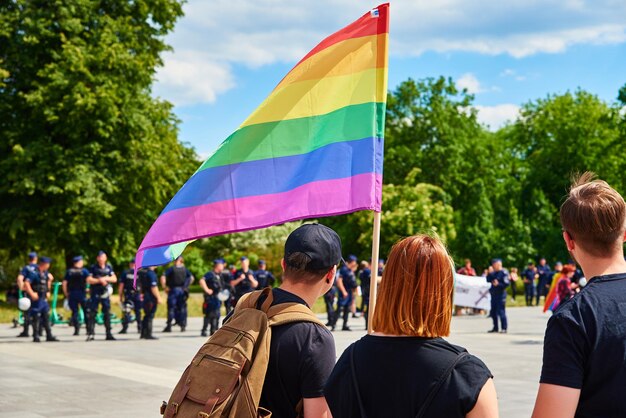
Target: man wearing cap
(346, 283)
(211, 285)
(529, 275)
(545, 276)
(75, 290)
(244, 280)
(102, 276)
(37, 285)
(499, 280)
(24, 272)
(264, 277)
(302, 354)
(176, 281)
(148, 285)
(130, 297)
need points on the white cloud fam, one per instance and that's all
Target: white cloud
(222, 33)
(470, 82)
(497, 116)
(192, 77)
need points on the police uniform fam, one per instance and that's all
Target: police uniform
(76, 279)
(40, 309)
(26, 270)
(131, 300)
(349, 283)
(211, 306)
(177, 279)
(225, 279)
(99, 295)
(498, 298)
(244, 286)
(544, 280)
(265, 279)
(365, 276)
(147, 280)
(329, 300)
(528, 276)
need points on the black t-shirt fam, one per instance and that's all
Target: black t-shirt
(395, 375)
(585, 347)
(302, 356)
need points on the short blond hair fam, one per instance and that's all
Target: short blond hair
(594, 215)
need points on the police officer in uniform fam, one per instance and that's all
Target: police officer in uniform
(499, 280)
(75, 290)
(37, 285)
(346, 283)
(130, 297)
(176, 282)
(529, 275)
(211, 285)
(102, 275)
(329, 300)
(264, 277)
(244, 280)
(365, 276)
(24, 272)
(545, 278)
(148, 283)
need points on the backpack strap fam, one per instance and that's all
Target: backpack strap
(286, 313)
(355, 383)
(437, 386)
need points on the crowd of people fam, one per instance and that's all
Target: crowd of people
(88, 290)
(584, 366)
(405, 367)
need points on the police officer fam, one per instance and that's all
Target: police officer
(499, 280)
(37, 285)
(102, 276)
(329, 300)
(365, 277)
(75, 290)
(529, 275)
(264, 277)
(130, 297)
(244, 280)
(24, 272)
(211, 285)
(545, 278)
(148, 283)
(176, 282)
(346, 284)
(225, 280)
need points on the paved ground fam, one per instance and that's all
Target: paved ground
(130, 377)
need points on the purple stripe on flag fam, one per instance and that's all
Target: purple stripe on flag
(317, 199)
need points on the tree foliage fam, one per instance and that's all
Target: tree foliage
(89, 158)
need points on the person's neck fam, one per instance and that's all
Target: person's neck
(593, 267)
(307, 293)
(102, 265)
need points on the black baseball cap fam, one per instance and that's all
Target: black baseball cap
(319, 242)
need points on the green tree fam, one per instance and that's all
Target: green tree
(88, 158)
(554, 139)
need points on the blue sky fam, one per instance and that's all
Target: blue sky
(228, 55)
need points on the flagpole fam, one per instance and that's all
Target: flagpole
(374, 269)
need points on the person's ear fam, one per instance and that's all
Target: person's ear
(282, 264)
(569, 241)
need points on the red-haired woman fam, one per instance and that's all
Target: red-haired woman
(405, 368)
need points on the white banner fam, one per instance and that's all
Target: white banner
(472, 292)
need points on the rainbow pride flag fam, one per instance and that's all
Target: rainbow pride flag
(313, 148)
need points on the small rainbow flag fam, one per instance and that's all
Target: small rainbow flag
(313, 148)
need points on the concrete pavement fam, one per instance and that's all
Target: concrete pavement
(130, 377)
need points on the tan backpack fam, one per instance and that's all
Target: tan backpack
(226, 376)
